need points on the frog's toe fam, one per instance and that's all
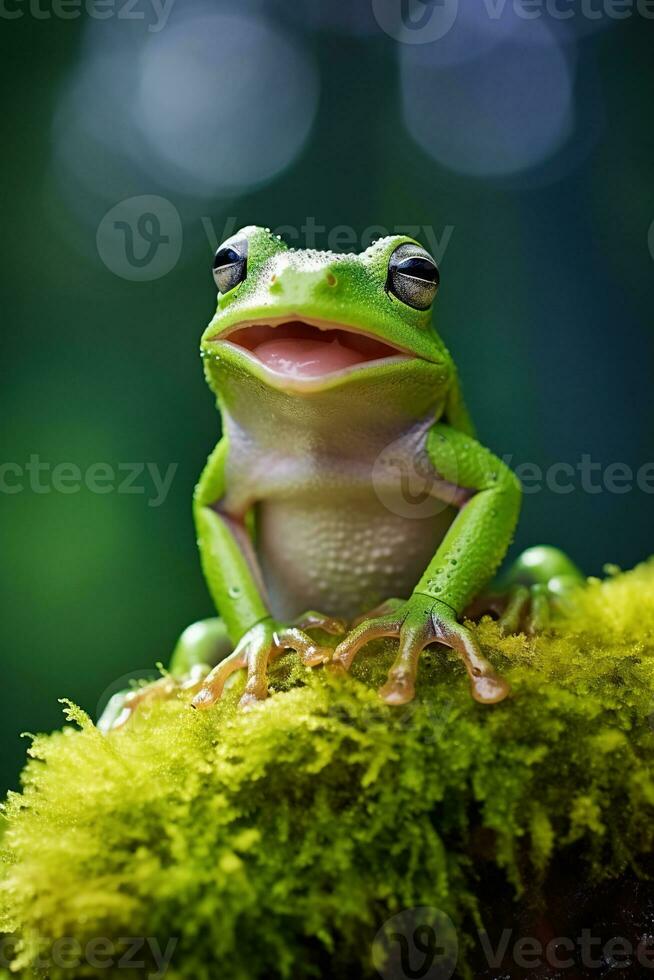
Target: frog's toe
(112, 716)
(519, 609)
(489, 688)
(527, 609)
(515, 610)
(214, 684)
(310, 653)
(400, 688)
(250, 701)
(370, 629)
(386, 608)
(541, 606)
(124, 705)
(317, 620)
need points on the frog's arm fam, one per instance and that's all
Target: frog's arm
(234, 578)
(489, 497)
(228, 559)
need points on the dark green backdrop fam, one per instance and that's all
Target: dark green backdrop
(546, 304)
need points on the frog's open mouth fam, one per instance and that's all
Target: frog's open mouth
(303, 349)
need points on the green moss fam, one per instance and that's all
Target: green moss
(277, 842)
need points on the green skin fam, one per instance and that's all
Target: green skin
(303, 503)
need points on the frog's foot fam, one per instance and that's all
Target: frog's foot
(122, 706)
(258, 647)
(537, 586)
(200, 646)
(417, 623)
(518, 609)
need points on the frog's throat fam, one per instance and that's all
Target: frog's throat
(378, 403)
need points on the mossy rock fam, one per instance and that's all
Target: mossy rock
(278, 842)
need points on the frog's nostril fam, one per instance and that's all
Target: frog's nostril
(331, 279)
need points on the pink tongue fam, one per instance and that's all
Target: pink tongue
(306, 358)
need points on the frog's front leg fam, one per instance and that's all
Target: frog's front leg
(234, 578)
(488, 496)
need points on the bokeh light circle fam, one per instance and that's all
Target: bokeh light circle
(226, 100)
(498, 114)
(214, 105)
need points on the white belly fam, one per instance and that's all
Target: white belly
(342, 556)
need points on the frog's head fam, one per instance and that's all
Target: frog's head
(304, 321)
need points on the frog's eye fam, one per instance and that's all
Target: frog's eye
(413, 276)
(230, 264)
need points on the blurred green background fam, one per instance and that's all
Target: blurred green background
(523, 145)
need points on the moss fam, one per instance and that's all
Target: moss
(277, 842)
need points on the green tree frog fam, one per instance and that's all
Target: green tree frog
(348, 492)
